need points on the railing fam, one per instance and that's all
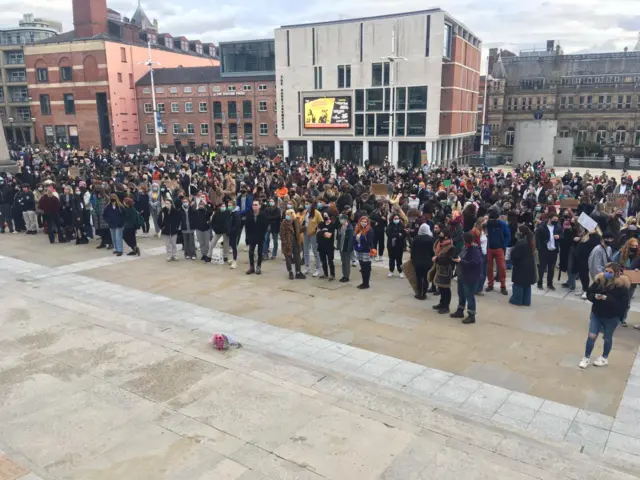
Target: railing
(17, 79)
(14, 61)
(19, 99)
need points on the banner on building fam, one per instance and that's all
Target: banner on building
(487, 135)
(327, 112)
(424, 159)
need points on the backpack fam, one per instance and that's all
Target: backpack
(139, 220)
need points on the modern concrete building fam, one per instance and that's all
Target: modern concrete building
(401, 86)
(595, 98)
(82, 82)
(15, 112)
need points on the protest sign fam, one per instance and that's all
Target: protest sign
(380, 189)
(587, 222)
(571, 203)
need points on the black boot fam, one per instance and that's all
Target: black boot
(459, 313)
(471, 318)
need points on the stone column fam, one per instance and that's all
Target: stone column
(285, 148)
(309, 149)
(336, 150)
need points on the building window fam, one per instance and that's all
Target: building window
(131, 84)
(380, 74)
(601, 135)
(416, 124)
(417, 98)
(69, 104)
(401, 99)
(509, 104)
(371, 124)
(637, 139)
(608, 102)
(495, 102)
(510, 137)
(262, 87)
(45, 105)
(231, 88)
(446, 46)
(359, 100)
(175, 107)
(173, 90)
(317, 78)
(42, 75)
(188, 107)
(217, 109)
(160, 107)
(382, 125)
(66, 74)
(589, 102)
(149, 128)
(204, 129)
(400, 118)
(202, 89)
(620, 101)
(176, 129)
(570, 102)
(162, 129)
(582, 136)
(190, 129)
(344, 76)
(247, 109)
(232, 109)
(621, 136)
(627, 103)
(159, 89)
(119, 78)
(262, 106)
(202, 107)
(187, 90)
(123, 55)
(217, 132)
(248, 133)
(564, 133)
(264, 129)
(146, 90)
(246, 88)
(374, 99)
(359, 125)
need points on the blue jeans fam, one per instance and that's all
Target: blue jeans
(267, 237)
(607, 326)
(571, 280)
(116, 238)
(467, 296)
(483, 278)
(521, 295)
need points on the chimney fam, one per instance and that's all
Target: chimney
(89, 17)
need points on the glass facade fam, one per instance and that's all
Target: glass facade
(252, 57)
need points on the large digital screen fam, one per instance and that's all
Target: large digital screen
(327, 112)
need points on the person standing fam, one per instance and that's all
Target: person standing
(364, 242)
(524, 267)
(130, 225)
(498, 238)
(396, 240)
(628, 257)
(187, 225)
(312, 218)
(27, 204)
(6, 200)
(169, 222)
(548, 242)
(50, 206)
(143, 207)
(609, 295)
(443, 270)
(422, 259)
(345, 246)
(113, 216)
(100, 202)
(155, 206)
(325, 237)
(80, 218)
(219, 226)
(469, 273)
(203, 228)
(234, 225)
(274, 217)
(291, 237)
(244, 202)
(256, 228)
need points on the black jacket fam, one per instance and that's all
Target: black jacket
(422, 252)
(256, 227)
(234, 223)
(543, 236)
(219, 222)
(169, 221)
(190, 215)
(274, 217)
(396, 237)
(617, 297)
(202, 217)
(26, 201)
(326, 244)
(524, 264)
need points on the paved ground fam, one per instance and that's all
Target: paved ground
(105, 373)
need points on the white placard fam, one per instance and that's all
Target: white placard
(587, 222)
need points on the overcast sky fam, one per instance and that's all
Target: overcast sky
(578, 25)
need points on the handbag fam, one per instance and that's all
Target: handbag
(372, 251)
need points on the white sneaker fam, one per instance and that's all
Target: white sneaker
(584, 363)
(600, 362)
(246, 249)
(578, 293)
(306, 271)
(390, 274)
(583, 296)
(234, 265)
(316, 274)
(401, 275)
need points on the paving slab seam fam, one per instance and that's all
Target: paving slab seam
(484, 400)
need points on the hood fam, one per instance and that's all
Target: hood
(621, 281)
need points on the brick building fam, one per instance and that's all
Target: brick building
(201, 107)
(82, 83)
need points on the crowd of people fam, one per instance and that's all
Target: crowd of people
(472, 224)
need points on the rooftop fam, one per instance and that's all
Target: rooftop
(362, 19)
(187, 75)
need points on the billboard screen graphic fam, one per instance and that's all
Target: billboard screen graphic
(327, 112)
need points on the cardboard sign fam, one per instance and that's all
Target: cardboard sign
(571, 203)
(618, 201)
(380, 189)
(633, 275)
(74, 172)
(587, 222)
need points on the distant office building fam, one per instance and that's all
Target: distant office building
(15, 113)
(401, 86)
(594, 97)
(82, 83)
(201, 108)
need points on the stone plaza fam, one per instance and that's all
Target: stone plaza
(105, 372)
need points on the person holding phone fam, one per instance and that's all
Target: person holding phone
(609, 294)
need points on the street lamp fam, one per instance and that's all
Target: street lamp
(392, 59)
(485, 102)
(149, 63)
(35, 137)
(13, 133)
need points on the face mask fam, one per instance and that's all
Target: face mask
(289, 207)
(307, 207)
(167, 206)
(554, 222)
(608, 275)
(363, 224)
(633, 250)
(396, 221)
(319, 205)
(538, 209)
(271, 204)
(223, 209)
(77, 192)
(288, 217)
(113, 202)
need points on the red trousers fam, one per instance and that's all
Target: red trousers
(498, 255)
